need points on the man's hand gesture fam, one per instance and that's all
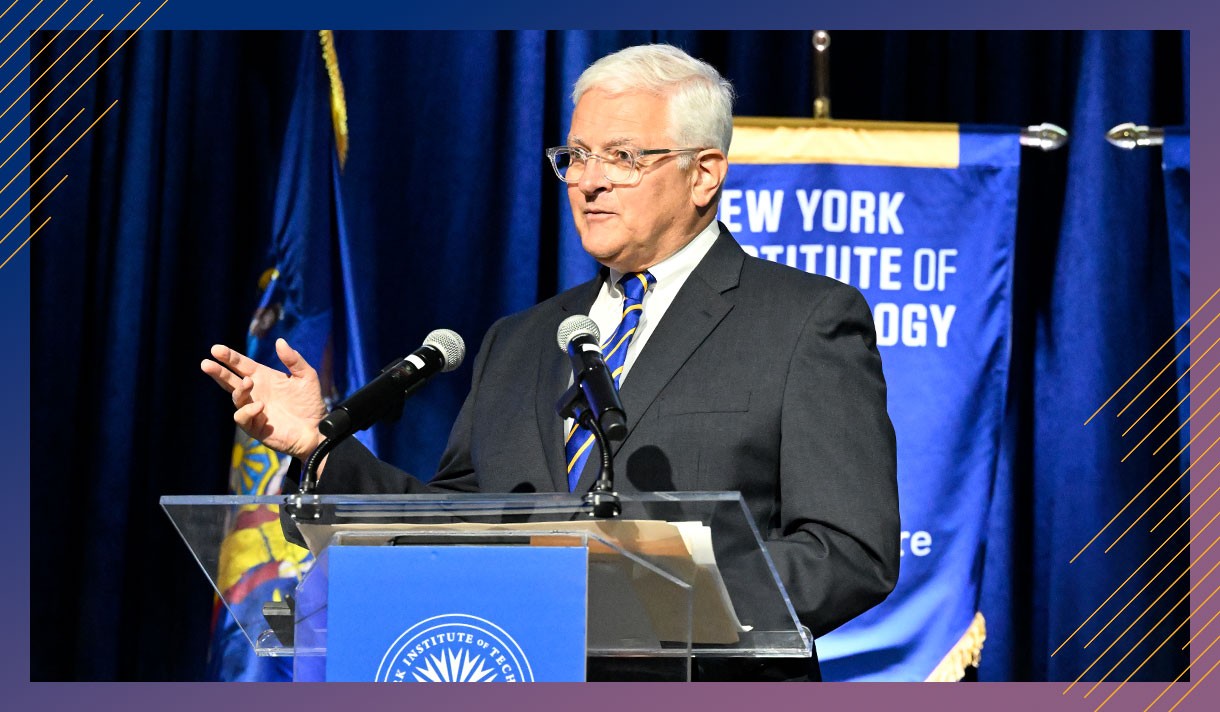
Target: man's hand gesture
(280, 410)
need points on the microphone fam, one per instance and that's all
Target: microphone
(579, 338)
(442, 352)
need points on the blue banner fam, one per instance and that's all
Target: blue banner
(456, 613)
(306, 298)
(922, 221)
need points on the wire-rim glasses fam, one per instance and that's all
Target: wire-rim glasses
(620, 167)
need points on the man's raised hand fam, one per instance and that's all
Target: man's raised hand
(280, 410)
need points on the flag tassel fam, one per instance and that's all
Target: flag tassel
(967, 652)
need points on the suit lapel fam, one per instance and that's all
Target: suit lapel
(696, 311)
(554, 375)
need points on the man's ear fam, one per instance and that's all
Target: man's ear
(707, 176)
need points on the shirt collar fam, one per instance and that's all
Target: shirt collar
(680, 264)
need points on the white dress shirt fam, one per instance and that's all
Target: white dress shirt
(670, 275)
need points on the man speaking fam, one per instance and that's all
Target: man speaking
(735, 373)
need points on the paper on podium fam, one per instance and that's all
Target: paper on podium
(683, 548)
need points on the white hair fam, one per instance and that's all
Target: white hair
(700, 100)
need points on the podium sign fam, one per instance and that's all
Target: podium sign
(387, 623)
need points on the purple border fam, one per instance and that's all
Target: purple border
(14, 289)
(587, 697)
(1204, 258)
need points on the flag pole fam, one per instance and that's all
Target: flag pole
(821, 75)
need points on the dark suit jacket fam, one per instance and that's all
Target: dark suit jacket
(760, 378)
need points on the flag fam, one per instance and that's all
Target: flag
(922, 219)
(305, 297)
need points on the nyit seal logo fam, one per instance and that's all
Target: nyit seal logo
(455, 647)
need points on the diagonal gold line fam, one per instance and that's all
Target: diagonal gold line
(1154, 625)
(1167, 365)
(1192, 687)
(1128, 504)
(48, 44)
(52, 64)
(580, 451)
(1154, 353)
(1189, 393)
(1184, 671)
(1171, 387)
(1186, 497)
(1124, 633)
(53, 113)
(1179, 428)
(1205, 625)
(40, 202)
(1171, 484)
(10, 7)
(6, 34)
(27, 240)
(82, 86)
(57, 160)
(1158, 648)
(1145, 563)
(63, 78)
(1155, 577)
(31, 34)
(1137, 595)
(41, 150)
(1188, 419)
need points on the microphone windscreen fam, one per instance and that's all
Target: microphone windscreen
(573, 326)
(451, 346)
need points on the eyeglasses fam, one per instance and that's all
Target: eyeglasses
(622, 166)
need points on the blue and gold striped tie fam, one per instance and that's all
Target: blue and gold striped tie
(579, 442)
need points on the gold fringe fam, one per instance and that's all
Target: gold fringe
(966, 653)
(338, 104)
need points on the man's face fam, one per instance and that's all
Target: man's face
(630, 227)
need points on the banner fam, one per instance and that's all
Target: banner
(306, 299)
(922, 219)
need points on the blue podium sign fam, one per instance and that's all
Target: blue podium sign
(456, 613)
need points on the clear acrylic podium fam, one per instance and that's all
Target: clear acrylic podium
(652, 606)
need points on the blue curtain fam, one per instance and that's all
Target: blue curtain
(1093, 302)
(455, 220)
(148, 267)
